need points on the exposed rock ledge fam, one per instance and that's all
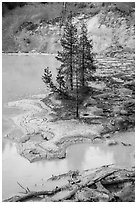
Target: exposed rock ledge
(44, 137)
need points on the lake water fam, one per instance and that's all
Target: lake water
(21, 79)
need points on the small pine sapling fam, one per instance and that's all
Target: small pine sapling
(47, 78)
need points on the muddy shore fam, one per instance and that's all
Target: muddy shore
(45, 135)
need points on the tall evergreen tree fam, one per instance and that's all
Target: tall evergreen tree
(85, 56)
(76, 61)
(67, 56)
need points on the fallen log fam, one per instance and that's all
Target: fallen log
(31, 195)
(106, 182)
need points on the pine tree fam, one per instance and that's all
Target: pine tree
(77, 94)
(67, 56)
(47, 78)
(60, 80)
(85, 56)
(63, 14)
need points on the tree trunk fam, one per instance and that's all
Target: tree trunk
(77, 105)
(71, 75)
(71, 59)
(83, 69)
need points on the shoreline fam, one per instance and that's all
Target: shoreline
(28, 54)
(108, 183)
(46, 138)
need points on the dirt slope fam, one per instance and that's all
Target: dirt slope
(32, 28)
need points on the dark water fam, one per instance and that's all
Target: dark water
(21, 79)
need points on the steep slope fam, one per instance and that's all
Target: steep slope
(112, 28)
(33, 28)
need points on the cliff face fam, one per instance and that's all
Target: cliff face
(109, 27)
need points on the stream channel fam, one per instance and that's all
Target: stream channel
(21, 78)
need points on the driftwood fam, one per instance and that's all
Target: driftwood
(68, 196)
(31, 195)
(102, 184)
(27, 190)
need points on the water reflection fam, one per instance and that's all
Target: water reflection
(16, 168)
(75, 156)
(95, 157)
(21, 75)
(80, 156)
(85, 156)
(21, 78)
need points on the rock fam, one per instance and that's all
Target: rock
(111, 142)
(24, 139)
(125, 144)
(123, 112)
(88, 194)
(118, 80)
(121, 123)
(127, 194)
(106, 136)
(34, 151)
(47, 135)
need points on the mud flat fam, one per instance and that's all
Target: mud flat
(45, 137)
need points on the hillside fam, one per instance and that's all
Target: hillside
(35, 27)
